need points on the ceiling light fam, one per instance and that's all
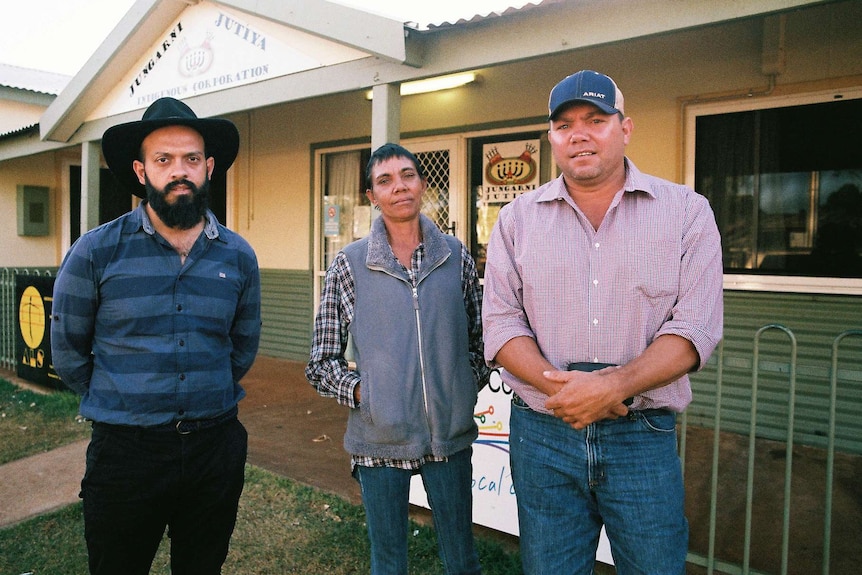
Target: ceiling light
(433, 84)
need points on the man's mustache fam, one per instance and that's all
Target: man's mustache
(177, 183)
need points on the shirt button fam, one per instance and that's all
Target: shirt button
(595, 322)
(597, 245)
(595, 282)
(179, 307)
(182, 377)
(595, 360)
(182, 342)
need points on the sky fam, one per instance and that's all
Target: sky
(60, 35)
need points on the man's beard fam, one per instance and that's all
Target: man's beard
(187, 211)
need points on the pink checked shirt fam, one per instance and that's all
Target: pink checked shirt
(653, 268)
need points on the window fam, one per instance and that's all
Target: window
(786, 187)
(345, 211)
(485, 204)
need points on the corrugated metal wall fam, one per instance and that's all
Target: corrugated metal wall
(815, 321)
(287, 313)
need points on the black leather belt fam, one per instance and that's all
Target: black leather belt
(183, 427)
(516, 400)
(186, 426)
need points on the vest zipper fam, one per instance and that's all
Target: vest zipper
(421, 354)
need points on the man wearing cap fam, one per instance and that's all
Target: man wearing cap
(603, 290)
(156, 318)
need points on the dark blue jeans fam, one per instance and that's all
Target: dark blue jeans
(385, 496)
(624, 473)
(139, 481)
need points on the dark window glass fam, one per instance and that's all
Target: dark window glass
(786, 188)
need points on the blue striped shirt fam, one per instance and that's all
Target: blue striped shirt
(147, 340)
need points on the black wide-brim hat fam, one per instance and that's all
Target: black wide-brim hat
(121, 144)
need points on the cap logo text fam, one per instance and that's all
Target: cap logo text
(594, 95)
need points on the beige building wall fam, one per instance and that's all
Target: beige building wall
(14, 114)
(28, 251)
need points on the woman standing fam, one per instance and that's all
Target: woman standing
(409, 297)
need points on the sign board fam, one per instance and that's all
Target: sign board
(508, 170)
(331, 220)
(212, 47)
(34, 295)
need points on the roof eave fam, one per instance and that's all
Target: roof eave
(136, 31)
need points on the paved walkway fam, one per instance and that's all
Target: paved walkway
(292, 431)
(41, 483)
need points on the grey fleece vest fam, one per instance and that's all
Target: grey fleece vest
(411, 350)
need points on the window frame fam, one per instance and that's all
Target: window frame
(691, 110)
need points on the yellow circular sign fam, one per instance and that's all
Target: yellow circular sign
(31, 317)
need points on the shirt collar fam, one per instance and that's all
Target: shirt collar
(635, 182)
(380, 253)
(141, 220)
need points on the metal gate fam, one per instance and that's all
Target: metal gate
(766, 516)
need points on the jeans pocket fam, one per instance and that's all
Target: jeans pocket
(660, 421)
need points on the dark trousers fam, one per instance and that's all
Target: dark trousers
(139, 481)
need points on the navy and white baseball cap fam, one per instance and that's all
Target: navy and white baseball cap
(586, 86)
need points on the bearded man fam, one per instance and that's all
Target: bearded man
(156, 318)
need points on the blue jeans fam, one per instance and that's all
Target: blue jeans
(139, 481)
(385, 496)
(623, 473)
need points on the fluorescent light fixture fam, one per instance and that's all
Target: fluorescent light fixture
(433, 84)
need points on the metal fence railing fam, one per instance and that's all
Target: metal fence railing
(804, 552)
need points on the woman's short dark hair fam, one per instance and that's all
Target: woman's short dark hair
(385, 152)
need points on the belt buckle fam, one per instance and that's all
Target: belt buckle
(180, 431)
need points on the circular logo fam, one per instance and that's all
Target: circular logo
(31, 317)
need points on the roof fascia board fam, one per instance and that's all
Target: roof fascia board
(26, 96)
(142, 25)
(572, 25)
(377, 35)
(23, 145)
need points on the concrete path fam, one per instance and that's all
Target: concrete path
(41, 483)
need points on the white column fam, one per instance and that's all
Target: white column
(385, 115)
(90, 163)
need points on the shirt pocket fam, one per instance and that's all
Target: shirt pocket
(654, 271)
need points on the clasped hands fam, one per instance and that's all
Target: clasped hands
(583, 397)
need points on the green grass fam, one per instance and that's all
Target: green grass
(33, 422)
(282, 527)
